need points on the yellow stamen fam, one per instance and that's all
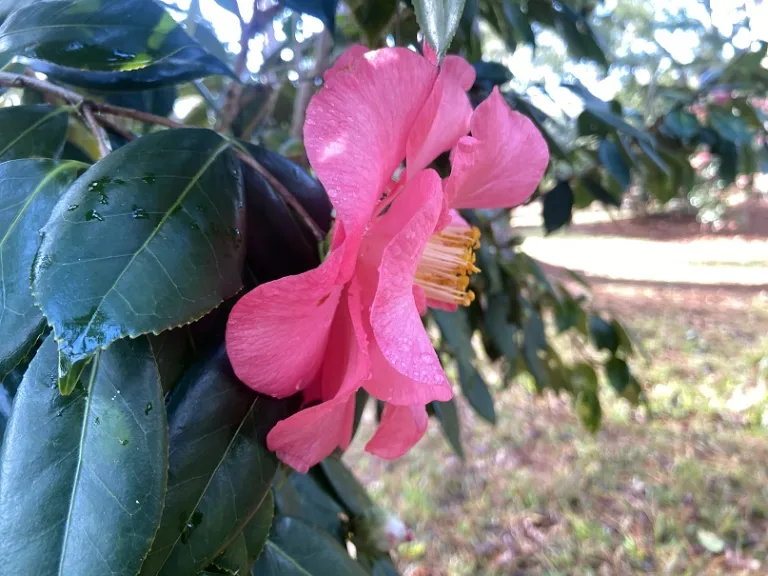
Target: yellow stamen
(447, 263)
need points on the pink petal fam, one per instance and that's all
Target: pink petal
(346, 59)
(405, 367)
(420, 299)
(401, 427)
(503, 161)
(356, 131)
(307, 437)
(269, 324)
(445, 117)
(429, 52)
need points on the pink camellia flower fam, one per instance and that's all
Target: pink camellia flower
(397, 247)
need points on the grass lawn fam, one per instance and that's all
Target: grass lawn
(682, 489)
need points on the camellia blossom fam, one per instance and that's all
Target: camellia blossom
(398, 247)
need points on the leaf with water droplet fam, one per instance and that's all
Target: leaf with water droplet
(110, 45)
(148, 408)
(108, 282)
(219, 465)
(106, 535)
(29, 190)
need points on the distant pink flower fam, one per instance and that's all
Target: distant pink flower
(397, 247)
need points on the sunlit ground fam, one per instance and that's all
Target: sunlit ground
(683, 490)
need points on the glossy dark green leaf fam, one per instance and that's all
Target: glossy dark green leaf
(158, 102)
(219, 471)
(617, 372)
(348, 489)
(108, 36)
(361, 401)
(297, 548)
(603, 335)
(83, 477)
(8, 387)
(439, 20)
(499, 328)
(29, 189)
(147, 239)
(302, 496)
(611, 157)
(257, 529)
(490, 74)
(448, 416)
(599, 118)
(32, 131)
(234, 560)
(456, 333)
(324, 10)
(173, 352)
(557, 205)
(279, 243)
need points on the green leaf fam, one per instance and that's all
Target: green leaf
(30, 131)
(588, 409)
(456, 333)
(279, 243)
(681, 124)
(158, 102)
(257, 529)
(611, 157)
(117, 44)
(296, 548)
(383, 567)
(8, 387)
(301, 496)
(348, 489)
(361, 400)
(172, 351)
(373, 17)
(732, 128)
(219, 471)
(29, 189)
(603, 335)
(617, 372)
(578, 35)
(83, 477)
(498, 327)
(439, 20)
(146, 240)
(234, 559)
(557, 205)
(324, 10)
(710, 541)
(448, 416)
(243, 551)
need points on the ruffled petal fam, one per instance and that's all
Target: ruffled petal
(405, 367)
(356, 132)
(312, 434)
(269, 324)
(503, 161)
(445, 117)
(401, 427)
(307, 437)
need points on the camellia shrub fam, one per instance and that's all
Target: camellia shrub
(191, 323)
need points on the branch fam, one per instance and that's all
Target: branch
(20, 81)
(98, 131)
(323, 46)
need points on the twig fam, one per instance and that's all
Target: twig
(232, 104)
(266, 109)
(289, 198)
(323, 46)
(20, 81)
(114, 127)
(98, 131)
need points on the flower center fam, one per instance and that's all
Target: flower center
(447, 263)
